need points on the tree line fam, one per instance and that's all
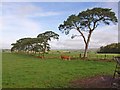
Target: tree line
(38, 44)
(111, 48)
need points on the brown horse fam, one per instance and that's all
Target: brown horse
(65, 57)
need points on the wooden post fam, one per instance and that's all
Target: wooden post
(105, 56)
(80, 55)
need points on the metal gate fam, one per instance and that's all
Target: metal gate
(116, 76)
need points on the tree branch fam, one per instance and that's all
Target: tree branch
(94, 26)
(82, 35)
(78, 29)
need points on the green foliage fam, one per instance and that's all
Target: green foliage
(25, 71)
(47, 36)
(26, 44)
(39, 44)
(111, 48)
(88, 20)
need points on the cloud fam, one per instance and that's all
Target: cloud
(100, 37)
(26, 10)
(44, 14)
(15, 24)
(19, 9)
(1, 23)
(105, 35)
(15, 28)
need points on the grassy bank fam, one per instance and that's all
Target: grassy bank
(26, 71)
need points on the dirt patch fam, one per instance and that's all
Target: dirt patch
(95, 82)
(100, 60)
(104, 60)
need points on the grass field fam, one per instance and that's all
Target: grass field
(25, 71)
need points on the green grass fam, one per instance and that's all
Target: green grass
(30, 72)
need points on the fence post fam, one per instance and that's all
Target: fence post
(105, 56)
(80, 55)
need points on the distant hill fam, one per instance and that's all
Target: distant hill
(111, 48)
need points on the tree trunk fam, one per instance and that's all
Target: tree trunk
(85, 51)
(44, 46)
(86, 44)
(86, 41)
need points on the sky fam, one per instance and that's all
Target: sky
(28, 19)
